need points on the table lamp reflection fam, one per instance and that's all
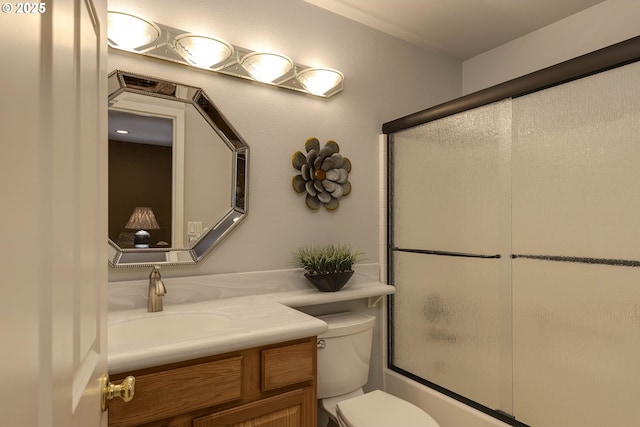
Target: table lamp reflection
(142, 219)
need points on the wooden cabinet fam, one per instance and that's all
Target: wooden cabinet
(271, 386)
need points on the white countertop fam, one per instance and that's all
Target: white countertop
(256, 308)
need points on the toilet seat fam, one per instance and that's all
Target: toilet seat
(380, 409)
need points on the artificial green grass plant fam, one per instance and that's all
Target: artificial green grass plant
(326, 259)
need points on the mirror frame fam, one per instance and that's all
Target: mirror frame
(122, 81)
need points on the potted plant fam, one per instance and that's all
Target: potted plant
(327, 267)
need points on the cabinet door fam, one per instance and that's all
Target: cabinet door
(167, 393)
(292, 409)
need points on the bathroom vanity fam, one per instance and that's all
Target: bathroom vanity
(220, 362)
(263, 386)
(229, 350)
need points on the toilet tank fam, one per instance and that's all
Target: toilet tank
(344, 352)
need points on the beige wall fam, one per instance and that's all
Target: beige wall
(385, 79)
(604, 24)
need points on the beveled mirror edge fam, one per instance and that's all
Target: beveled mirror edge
(122, 257)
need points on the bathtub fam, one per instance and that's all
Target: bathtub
(446, 411)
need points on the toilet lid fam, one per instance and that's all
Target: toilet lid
(380, 409)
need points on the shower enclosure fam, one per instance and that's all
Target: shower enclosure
(514, 245)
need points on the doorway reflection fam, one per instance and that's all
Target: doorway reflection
(140, 174)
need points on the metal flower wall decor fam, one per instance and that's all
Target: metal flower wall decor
(324, 174)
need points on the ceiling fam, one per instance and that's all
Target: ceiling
(141, 128)
(461, 28)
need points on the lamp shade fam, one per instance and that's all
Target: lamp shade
(203, 52)
(142, 218)
(128, 32)
(266, 67)
(319, 81)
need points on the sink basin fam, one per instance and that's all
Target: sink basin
(162, 328)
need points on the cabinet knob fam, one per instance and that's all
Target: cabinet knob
(124, 390)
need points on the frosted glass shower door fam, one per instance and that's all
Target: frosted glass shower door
(451, 238)
(576, 240)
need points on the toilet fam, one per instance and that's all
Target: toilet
(344, 352)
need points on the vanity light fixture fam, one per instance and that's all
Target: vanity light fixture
(266, 67)
(137, 35)
(201, 51)
(128, 32)
(122, 131)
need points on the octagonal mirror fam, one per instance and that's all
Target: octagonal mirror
(177, 172)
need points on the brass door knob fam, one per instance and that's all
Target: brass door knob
(124, 390)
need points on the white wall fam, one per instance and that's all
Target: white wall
(385, 79)
(604, 24)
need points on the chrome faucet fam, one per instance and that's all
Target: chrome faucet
(156, 291)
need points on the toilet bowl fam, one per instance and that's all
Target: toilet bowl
(344, 352)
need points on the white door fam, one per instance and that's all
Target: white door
(53, 270)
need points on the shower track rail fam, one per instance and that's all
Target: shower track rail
(581, 260)
(555, 258)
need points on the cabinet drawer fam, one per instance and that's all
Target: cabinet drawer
(162, 394)
(288, 365)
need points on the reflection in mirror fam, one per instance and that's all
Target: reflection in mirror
(177, 172)
(140, 175)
